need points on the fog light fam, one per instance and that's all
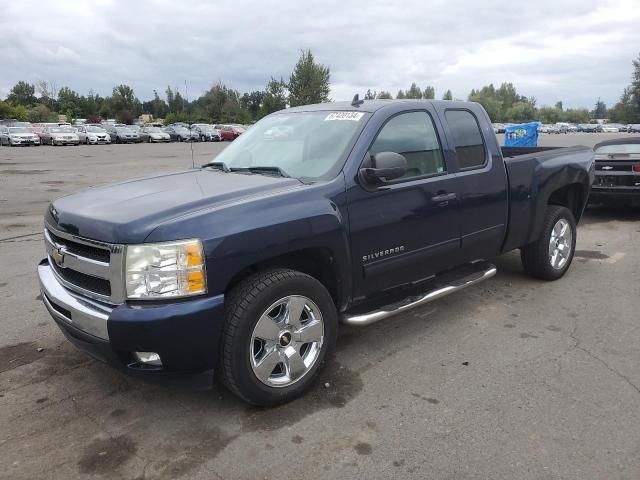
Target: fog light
(148, 358)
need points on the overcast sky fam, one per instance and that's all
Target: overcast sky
(570, 50)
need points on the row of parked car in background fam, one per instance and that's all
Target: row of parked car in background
(13, 133)
(562, 127)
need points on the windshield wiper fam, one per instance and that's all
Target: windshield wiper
(261, 170)
(217, 165)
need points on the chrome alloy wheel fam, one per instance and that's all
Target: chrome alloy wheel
(287, 340)
(560, 244)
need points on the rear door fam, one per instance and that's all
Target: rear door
(482, 182)
(407, 229)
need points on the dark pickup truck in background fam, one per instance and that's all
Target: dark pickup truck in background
(339, 212)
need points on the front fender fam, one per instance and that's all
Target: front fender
(240, 235)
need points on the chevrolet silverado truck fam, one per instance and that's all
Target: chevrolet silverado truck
(351, 213)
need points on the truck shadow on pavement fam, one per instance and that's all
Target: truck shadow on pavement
(602, 213)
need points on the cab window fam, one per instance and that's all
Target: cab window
(467, 139)
(414, 136)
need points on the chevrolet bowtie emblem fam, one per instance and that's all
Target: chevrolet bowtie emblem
(57, 255)
(607, 167)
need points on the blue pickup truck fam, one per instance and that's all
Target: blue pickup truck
(318, 215)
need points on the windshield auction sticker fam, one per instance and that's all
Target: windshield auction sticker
(353, 116)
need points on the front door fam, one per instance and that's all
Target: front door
(408, 229)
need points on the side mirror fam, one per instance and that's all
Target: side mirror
(383, 167)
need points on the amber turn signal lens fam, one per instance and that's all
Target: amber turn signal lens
(195, 282)
(194, 255)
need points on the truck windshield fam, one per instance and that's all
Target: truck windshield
(302, 145)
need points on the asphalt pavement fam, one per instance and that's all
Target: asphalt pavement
(511, 379)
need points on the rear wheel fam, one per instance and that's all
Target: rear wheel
(549, 257)
(279, 327)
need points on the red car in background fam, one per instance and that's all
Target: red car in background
(230, 132)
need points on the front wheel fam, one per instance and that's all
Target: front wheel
(549, 257)
(280, 326)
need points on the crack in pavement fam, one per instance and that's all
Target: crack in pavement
(595, 357)
(8, 239)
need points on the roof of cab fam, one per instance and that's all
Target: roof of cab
(371, 106)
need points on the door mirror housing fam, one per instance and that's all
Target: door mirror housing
(384, 167)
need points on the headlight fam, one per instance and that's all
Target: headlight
(172, 269)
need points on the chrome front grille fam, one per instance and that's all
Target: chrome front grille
(88, 267)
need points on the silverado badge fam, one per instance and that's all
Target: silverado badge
(383, 253)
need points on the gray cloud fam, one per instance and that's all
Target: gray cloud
(568, 50)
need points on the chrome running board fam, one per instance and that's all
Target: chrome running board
(471, 274)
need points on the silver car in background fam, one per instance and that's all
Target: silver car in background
(14, 136)
(93, 135)
(155, 134)
(125, 135)
(60, 136)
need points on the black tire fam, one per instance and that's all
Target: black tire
(536, 257)
(244, 305)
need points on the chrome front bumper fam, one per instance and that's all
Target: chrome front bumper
(67, 307)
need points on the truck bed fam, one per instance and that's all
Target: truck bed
(510, 152)
(533, 173)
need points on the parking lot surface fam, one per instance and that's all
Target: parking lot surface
(511, 379)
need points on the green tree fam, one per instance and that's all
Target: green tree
(521, 112)
(40, 113)
(550, 115)
(508, 96)
(624, 111)
(251, 102)
(6, 110)
(600, 109)
(22, 93)
(487, 98)
(577, 115)
(370, 95)
(158, 107)
(275, 97)
(559, 105)
(414, 92)
(429, 93)
(447, 95)
(401, 95)
(19, 112)
(384, 95)
(309, 82)
(123, 99)
(634, 93)
(70, 103)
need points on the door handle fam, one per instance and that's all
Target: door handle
(444, 199)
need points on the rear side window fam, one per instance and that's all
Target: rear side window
(467, 138)
(412, 135)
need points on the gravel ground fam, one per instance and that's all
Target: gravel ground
(513, 378)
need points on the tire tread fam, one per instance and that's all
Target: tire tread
(240, 299)
(534, 256)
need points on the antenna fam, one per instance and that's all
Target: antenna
(356, 102)
(186, 97)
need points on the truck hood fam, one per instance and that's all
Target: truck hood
(128, 212)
